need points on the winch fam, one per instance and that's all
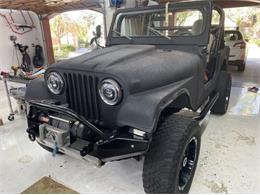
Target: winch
(54, 135)
(63, 124)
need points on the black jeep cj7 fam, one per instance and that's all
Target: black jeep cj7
(145, 94)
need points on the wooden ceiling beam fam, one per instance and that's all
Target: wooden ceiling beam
(225, 3)
(43, 7)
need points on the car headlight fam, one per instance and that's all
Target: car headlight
(110, 92)
(55, 83)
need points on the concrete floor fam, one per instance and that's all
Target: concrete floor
(229, 160)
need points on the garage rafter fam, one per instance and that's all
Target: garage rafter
(47, 7)
(225, 3)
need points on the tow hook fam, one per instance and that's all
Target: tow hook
(31, 135)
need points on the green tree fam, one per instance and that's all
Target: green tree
(86, 21)
(59, 27)
(247, 19)
(240, 15)
(79, 28)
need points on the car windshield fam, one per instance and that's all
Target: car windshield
(165, 23)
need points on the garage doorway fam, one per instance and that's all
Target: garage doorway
(72, 31)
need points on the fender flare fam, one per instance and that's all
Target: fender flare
(143, 110)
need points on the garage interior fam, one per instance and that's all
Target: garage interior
(229, 159)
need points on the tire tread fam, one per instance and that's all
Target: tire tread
(164, 154)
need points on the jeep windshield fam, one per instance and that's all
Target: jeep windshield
(160, 23)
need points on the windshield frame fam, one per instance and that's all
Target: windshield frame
(204, 6)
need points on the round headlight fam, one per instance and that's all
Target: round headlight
(110, 92)
(55, 83)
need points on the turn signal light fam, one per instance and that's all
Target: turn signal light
(241, 45)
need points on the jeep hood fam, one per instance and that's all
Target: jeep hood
(140, 67)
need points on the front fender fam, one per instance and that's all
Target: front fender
(37, 90)
(142, 110)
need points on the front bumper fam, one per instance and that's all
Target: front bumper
(237, 55)
(235, 62)
(115, 145)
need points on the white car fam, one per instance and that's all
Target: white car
(238, 52)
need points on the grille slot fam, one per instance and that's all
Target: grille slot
(82, 95)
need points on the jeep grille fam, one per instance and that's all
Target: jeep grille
(82, 95)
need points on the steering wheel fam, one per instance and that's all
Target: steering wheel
(183, 33)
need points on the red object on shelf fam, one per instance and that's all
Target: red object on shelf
(253, 89)
(5, 74)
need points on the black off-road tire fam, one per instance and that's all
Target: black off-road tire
(224, 89)
(165, 158)
(241, 67)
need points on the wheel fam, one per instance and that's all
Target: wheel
(11, 117)
(224, 89)
(48, 149)
(241, 67)
(171, 161)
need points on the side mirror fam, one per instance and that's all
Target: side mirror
(247, 40)
(98, 31)
(96, 37)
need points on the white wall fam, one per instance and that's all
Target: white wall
(7, 55)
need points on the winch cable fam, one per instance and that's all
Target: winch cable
(55, 147)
